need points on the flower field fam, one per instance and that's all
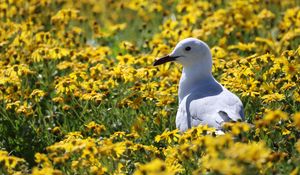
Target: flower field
(79, 94)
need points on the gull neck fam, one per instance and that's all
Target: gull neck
(194, 77)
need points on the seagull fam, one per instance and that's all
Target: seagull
(202, 100)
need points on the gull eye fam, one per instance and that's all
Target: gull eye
(188, 48)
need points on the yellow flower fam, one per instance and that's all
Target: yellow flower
(296, 118)
(56, 130)
(57, 53)
(273, 97)
(272, 116)
(237, 128)
(39, 54)
(37, 94)
(275, 115)
(126, 59)
(296, 96)
(266, 14)
(169, 136)
(46, 171)
(119, 148)
(254, 153)
(75, 134)
(298, 145)
(98, 170)
(189, 18)
(218, 53)
(223, 166)
(42, 159)
(286, 131)
(25, 109)
(64, 16)
(126, 45)
(94, 127)
(10, 163)
(155, 167)
(243, 46)
(66, 85)
(295, 171)
(138, 126)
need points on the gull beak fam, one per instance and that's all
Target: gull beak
(164, 59)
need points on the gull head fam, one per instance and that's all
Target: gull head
(189, 52)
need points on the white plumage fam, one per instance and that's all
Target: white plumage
(202, 100)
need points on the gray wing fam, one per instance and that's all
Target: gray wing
(231, 109)
(211, 106)
(210, 110)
